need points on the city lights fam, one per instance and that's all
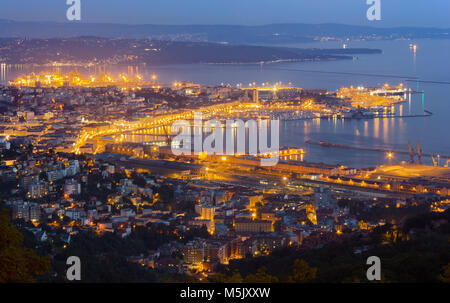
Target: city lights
(277, 153)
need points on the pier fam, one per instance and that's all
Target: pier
(381, 150)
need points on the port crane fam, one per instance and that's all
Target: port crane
(434, 161)
(419, 152)
(413, 151)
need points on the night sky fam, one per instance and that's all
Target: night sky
(250, 12)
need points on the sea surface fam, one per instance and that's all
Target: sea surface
(397, 64)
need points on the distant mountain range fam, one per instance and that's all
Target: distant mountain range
(233, 34)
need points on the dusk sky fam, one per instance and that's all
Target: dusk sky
(250, 12)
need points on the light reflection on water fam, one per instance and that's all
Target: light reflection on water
(430, 62)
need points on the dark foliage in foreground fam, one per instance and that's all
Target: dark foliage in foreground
(417, 252)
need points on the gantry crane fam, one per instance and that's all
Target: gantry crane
(419, 152)
(434, 161)
(411, 152)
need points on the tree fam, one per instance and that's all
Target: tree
(138, 179)
(445, 277)
(302, 272)
(235, 278)
(17, 264)
(261, 276)
(218, 278)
